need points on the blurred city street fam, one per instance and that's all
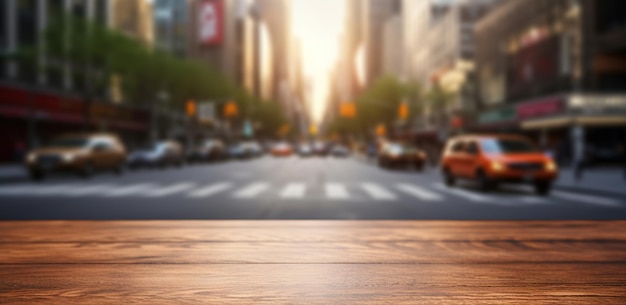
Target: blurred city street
(291, 188)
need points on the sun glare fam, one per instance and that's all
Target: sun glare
(318, 25)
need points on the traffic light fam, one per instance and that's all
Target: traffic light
(190, 108)
(403, 111)
(381, 130)
(313, 130)
(231, 110)
(348, 110)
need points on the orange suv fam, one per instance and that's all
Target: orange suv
(493, 159)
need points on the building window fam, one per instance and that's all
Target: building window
(27, 36)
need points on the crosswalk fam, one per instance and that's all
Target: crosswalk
(298, 191)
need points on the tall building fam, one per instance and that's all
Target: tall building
(555, 70)
(393, 47)
(134, 18)
(375, 15)
(171, 24)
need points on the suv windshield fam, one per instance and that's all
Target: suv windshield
(506, 146)
(69, 143)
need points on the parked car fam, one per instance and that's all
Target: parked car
(160, 154)
(305, 150)
(236, 151)
(393, 155)
(321, 148)
(282, 149)
(339, 151)
(490, 160)
(210, 150)
(79, 153)
(252, 149)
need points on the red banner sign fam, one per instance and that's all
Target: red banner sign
(540, 108)
(210, 22)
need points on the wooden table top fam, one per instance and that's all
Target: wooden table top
(312, 262)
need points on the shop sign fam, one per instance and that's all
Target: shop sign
(540, 108)
(496, 116)
(597, 103)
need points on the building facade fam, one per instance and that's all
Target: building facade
(38, 103)
(556, 71)
(171, 22)
(375, 15)
(134, 18)
(393, 51)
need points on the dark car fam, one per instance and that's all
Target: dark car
(321, 149)
(305, 150)
(158, 155)
(394, 155)
(340, 151)
(209, 150)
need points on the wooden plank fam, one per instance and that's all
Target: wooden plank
(307, 231)
(331, 252)
(313, 284)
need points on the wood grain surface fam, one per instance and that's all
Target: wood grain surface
(313, 262)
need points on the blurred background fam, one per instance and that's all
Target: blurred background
(178, 82)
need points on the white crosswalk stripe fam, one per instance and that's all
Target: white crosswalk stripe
(52, 190)
(129, 190)
(17, 190)
(337, 191)
(252, 190)
(378, 192)
(463, 194)
(90, 190)
(594, 200)
(211, 190)
(170, 190)
(419, 192)
(293, 191)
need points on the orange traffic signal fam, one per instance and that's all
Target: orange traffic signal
(190, 108)
(381, 130)
(231, 110)
(403, 111)
(348, 110)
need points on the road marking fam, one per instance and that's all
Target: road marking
(52, 190)
(211, 190)
(167, 191)
(534, 200)
(90, 190)
(586, 199)
(294, 191)
(252, 190)
(462, 193)
(378, 192)
(17, 190)
(129, 190)
(418, 192)
(337, 191)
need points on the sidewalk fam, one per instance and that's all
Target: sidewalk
(595, 180)
(12, 173)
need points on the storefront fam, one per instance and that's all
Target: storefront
(501, 120)
(30, 118)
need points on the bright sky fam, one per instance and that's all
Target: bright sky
(318, 24)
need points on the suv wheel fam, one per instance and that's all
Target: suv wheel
(543, 188)
(87, 170)
(484, 184)
(120, 168)
(449, 178)
(37, 175)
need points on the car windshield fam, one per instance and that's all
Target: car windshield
(69, 143)
(507, 146)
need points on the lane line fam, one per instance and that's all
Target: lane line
(129, 190)
(211, 190)
(91, 190)
(418, 192)
(252, 190)
(171, 190)
(17, 190)
(378, 192)
(293, 191)
(462, 193)
(337, 191)
(588, 199)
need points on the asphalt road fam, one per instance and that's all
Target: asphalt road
(288, 188)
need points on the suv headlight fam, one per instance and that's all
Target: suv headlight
(551, 166)
(497, 166)
(31, 158)
(68, 157)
